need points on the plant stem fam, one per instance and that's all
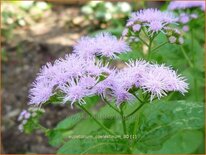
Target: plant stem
(135, 129)
(142, 103)
(149, 48)
(159, 46)
(145, 32)
(193, 60)
(135, 110)
(186, 57)
(42, 128)
(111, 106)
(192, 45)
(123, 119)
(138, 98)
(99, 123)
(143, 41)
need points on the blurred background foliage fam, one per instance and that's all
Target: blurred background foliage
(34, 32)
(19, 14)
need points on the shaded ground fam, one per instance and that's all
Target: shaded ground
(31, 47)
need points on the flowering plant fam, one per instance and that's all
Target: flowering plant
(135, 113)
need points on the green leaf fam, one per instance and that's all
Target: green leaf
(186, 141)
(159, 121)
(32, 123)
(86, 127)
(93, 145)
(69, 122)
(57, 135)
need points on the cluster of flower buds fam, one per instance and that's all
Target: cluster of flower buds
(186, 11)
(185, 5)
(132, 31)
(184, 20)
(26, 115)
(151, 22)
(174, 36)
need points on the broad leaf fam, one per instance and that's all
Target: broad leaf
(93, 145)
(186, 141)
(159, 121)
(63, 129)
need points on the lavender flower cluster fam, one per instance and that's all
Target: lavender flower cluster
(72, 75)
(185, 18)
(25, 115)
(103, 44)
(87, 72)
(155, 79)
(153, 21)
(187, 11)
(175, 5)
(77, 76)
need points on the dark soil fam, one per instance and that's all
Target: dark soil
(30, 47)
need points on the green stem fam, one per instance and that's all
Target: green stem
(146, 96)
(99, 123)
(111, 106)
(169, 96)
(135, 110)
(186, 57)
(137, 98)
(142, 103)
(143, 41)
(196, 89)
(192, 46)
(145, 32)
(159, 46)
(194, 63)
(123, 119)
(149, 47)
(42, 128)
(135, 130)
(136, 122)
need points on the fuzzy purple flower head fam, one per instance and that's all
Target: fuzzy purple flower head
(80, 75)
(77, 90)
(157, 80)
(153, 19)
(103, 44)
(65, 75)
(176, 5)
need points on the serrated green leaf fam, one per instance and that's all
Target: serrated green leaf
(93, 145)
(85, 127)
(186, 141)
(159, 121)
(63, 129)
(183, 142)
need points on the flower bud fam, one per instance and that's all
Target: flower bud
(185, 28)
(24, 122)
(136, 27)
(130, 23)
(21, 128)
(172, 39)
(125, 32)
(181, 40)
